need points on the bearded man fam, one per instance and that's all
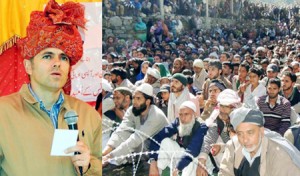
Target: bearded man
(141, 121)
(178, 154)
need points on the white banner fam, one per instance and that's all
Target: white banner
(87, 73)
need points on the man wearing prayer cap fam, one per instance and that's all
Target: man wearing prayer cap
(178, 154)
(179, 94)
(256, 150)
(141, 121)
(220, 130)
(29, 118)
(200, 73)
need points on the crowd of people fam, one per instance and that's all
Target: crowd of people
(205, 101)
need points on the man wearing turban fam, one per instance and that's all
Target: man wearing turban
(29, 118)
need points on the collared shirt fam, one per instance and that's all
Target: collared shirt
(248, 156)
(53, 112)
(272, 106)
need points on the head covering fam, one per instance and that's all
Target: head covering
(104, 62)
(164, 88)
(180, 77)
(162, 70)
(218, 84)
(214, 54)
(188, 104)
(145, 88)
(229, 97)
(198, 63)
(246, 115)
(153, 72)
(106, 86)
(125, 89)
(243, 114)
(273, 68)
(56, 27)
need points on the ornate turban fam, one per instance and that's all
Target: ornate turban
(56, 27)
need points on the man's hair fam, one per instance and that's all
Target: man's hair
(215, 63)
(148, 97)
(125, 92)
(275, 81)
(245, 65)
(291, 75)
(265, 61)
(119, 72)
(226, 54)
(256, 71)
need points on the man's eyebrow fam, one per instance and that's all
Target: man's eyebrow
(48, 52)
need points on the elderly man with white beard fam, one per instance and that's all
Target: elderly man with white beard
(178, 154)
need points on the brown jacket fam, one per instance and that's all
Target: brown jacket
(274, 160)
(26, 134)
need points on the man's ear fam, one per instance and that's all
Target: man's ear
(148, 102)
(28, 66)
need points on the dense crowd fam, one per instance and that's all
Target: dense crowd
(208, 88)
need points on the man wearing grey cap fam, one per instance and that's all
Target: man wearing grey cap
(272, 72)
(142, 120)
(256, 150)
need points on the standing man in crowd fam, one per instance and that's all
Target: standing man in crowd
(182, 151)
(29, 117)
(256, 150)
(141, 121)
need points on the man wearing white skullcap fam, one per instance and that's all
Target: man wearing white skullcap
(142, 120)
(220, 129)
(200, 73)
(178, 154)
(256, 150)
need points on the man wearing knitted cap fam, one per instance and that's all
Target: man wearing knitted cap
(30, 117)
(220, 130)
(179, 94)
(141, 121)
(178, 154)
(256, 150)
(152, 77)
(200, 73)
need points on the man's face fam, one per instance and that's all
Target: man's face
(187, 121)
(164, 81)
(296, 68)
(242, 72)
(225, 110)
(213, 72)
(157, 59)
(250, 136)
(176, 86)
(286, 83)
(253, 78)
(223, 58)
(165, 95)
(114, 78)
(139, 103)
(236, 60)
(213, 93)
(273, 90)
(197, 70)
(271, 74)
(177, 66)
(119, 100)
(249, 59)
(226, 70)
(186, 115)
(150, 79)
(48, 70)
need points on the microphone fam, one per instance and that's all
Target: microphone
(71, 117)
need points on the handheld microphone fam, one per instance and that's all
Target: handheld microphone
(71, 117)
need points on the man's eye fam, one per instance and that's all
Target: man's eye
(65, 58)
(47, 56)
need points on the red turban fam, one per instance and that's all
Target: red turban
(56, 27)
